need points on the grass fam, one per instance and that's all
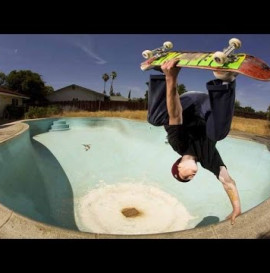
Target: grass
(254, 126)
(247, 125)
(138, 114)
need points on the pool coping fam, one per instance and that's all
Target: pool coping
(252, 224)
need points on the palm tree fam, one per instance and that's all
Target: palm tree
(181, 88)
(113, 76)
(105, 78)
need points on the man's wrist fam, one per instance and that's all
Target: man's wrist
(171, 79)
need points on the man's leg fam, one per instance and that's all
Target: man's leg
(157, 109)
(222, 98)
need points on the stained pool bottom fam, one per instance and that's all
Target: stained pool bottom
(130, 209)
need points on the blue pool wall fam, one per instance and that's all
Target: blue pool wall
(44, 193)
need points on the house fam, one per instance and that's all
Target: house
(75, 92)
(8, 97)
(118, 98)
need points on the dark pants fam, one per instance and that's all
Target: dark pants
(216, 107)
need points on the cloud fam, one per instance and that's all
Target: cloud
(90, 53)
(85, 43)
(8, 51)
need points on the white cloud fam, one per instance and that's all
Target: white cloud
(85, 43)
(90, 53)
(8, 51)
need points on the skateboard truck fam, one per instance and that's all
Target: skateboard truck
(227, 56)
(158, 52)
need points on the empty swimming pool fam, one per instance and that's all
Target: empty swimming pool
(108, 175)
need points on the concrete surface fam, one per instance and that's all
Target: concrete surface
(254, 223)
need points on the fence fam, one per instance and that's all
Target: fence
(93, 106)
(250, 115)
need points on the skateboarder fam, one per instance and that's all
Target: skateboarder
(195, 121)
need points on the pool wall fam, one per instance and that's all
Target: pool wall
(43, 193)
(35, 192)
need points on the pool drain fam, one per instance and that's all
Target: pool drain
(130, 212)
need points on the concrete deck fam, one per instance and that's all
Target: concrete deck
(254, 223)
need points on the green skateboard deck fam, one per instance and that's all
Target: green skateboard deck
(198, 59)
(242, 63)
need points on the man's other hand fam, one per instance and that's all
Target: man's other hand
(170, 69)
(233, 215)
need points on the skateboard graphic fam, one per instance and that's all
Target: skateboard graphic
(226, 60)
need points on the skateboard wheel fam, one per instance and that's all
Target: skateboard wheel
(147, 54)
(219, 57)
(235, 42)
(168, 45)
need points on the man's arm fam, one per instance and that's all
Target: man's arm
(232, 192)
(174, 106)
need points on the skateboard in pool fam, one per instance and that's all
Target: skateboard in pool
(226, 60)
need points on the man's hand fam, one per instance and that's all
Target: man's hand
(170, 69)
(233, 215)
(232, 192)
(225, 76)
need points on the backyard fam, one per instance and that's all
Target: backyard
(257, 127)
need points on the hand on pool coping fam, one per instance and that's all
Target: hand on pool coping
(233, 215)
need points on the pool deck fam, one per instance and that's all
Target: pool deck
(252, 224)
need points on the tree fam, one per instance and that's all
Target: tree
(105, 78)
(28, 83)
(113, 76)
(248, 109)
(268, 112)
(237, 105)
(181, 88)
(129, 95)
(48, 90)
(146, 96)
(3, 78)
(146, 93)
(118, 94)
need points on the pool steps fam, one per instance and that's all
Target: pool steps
(59, 125)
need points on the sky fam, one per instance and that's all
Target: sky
(82, 59)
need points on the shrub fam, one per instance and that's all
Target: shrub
(42, 112)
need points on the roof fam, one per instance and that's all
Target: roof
(86, 89)
(12, 93)
(118, 98)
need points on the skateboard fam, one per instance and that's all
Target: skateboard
(226, 60)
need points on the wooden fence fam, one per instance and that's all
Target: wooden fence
(93, 106)
(250, 115)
